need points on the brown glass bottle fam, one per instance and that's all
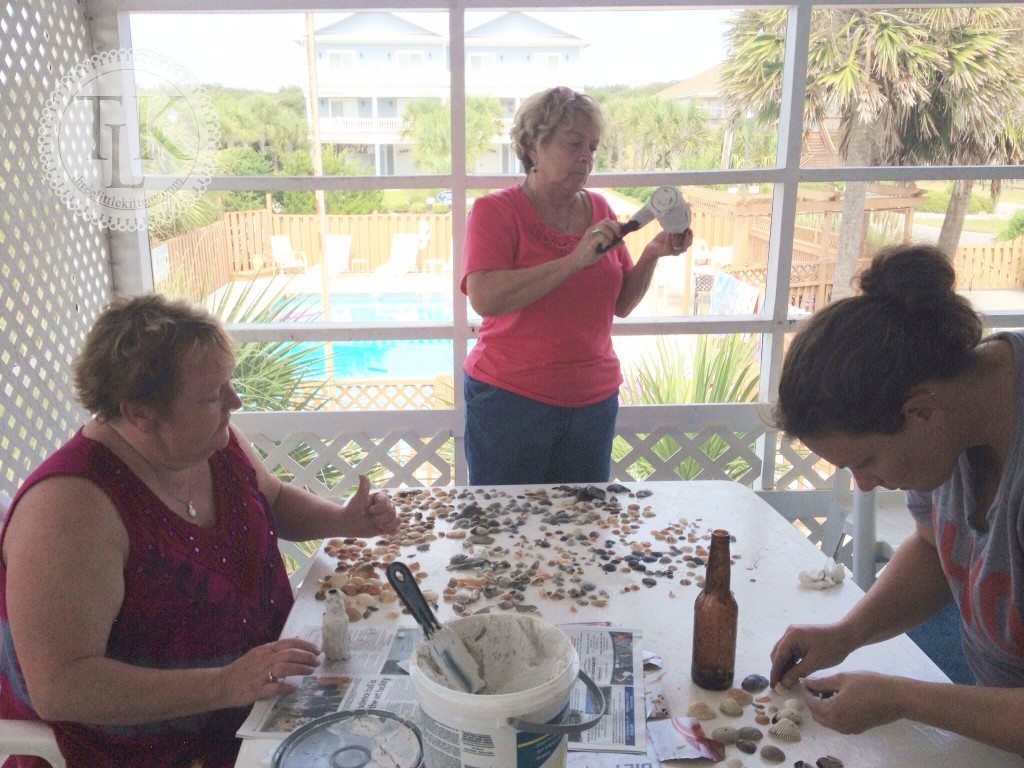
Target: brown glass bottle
(715, 614)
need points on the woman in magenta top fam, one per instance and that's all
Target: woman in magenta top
(142, 593)
(542, 380)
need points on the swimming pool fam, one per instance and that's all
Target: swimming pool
(377, 359)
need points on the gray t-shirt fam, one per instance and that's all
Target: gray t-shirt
(985, 570)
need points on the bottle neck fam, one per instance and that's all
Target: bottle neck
(716, 579)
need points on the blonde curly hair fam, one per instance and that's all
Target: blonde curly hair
(543, 113)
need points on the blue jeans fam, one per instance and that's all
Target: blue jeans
(514, 440)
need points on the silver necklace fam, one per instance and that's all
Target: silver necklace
(536, 204)
(190, 508)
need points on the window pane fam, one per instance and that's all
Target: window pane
(841, 225)
(275, 241)
(371, 71)
(660, 370)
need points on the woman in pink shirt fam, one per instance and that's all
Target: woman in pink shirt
(542, 380)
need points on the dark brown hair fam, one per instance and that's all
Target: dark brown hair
(852, 366)
(133, 352)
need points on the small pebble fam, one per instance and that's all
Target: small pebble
(749, 733)
(726, 735)
(746, 747)
(772, 754)
(754, 683)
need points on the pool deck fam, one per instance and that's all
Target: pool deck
(444, 285)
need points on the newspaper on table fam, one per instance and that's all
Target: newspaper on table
(375, 676)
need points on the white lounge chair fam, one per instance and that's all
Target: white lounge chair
(405, 249)
(339, 253)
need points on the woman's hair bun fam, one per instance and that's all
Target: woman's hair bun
(909, 273)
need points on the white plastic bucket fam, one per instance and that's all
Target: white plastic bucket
(533, 666)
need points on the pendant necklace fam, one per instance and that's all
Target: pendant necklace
(190, 508)
(536, 206)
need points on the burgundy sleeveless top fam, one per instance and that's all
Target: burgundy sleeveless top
(193, 597)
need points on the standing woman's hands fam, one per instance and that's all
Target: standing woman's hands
(667, 243)
(598, 236)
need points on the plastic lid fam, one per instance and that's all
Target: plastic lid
(359, 738)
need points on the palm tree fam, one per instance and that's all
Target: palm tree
(888, 75)
(427, 122)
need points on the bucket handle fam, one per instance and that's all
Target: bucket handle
(557, 728)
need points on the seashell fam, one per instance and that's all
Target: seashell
(785, 730)
(794, 705)
(754, 683)
(781, 689)
(733, 762)
(828, 761)
(772, 754)
(740, 696)
(701, 710)
(730, 707)
(788, 714)
(726, 734)
(750, 733)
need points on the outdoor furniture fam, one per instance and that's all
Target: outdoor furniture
(401, 261)
(24, 737)
(338, 250)
(286, 257)
(770, 553)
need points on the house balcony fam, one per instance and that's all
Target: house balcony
(376, 130)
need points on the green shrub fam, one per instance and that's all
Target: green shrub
(937, 201)
(1014, 229)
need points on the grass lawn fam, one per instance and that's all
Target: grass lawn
(991, 225)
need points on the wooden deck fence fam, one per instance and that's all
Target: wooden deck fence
(206, 258)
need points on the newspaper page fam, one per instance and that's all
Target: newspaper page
(375, 676)
(613, 658)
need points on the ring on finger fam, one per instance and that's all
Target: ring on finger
(597, 231)
(271, 677)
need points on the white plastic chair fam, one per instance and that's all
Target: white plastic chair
(27, 737)
(285, 257)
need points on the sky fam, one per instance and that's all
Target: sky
(263, 51)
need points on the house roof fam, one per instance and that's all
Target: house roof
(516, 24)
(706, 84)
(373, 26)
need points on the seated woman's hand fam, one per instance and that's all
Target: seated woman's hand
(369, 512)
(260, 673)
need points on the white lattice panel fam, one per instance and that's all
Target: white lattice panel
(54, 268)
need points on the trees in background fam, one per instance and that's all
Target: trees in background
(427, 123)
(911, 86)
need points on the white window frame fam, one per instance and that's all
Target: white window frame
(341, 61)
(546, 61)
(133, 271)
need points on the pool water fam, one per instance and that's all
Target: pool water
(377, 359)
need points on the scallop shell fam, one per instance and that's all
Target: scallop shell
(785, 730)
(794, 705)
(730, 707)
(788, 714)
(701, 710)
